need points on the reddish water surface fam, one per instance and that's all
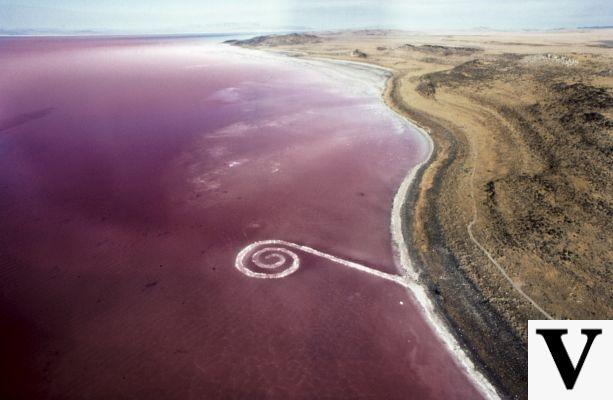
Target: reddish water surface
(132, 172)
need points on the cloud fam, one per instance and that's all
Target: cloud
(181, 15)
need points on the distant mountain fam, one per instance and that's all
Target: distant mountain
(278, 40)
(51, 32)
(597, 27)
(484, 29)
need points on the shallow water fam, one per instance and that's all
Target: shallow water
(132, 172)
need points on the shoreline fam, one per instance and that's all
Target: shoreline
(405, 263)
(403, 201)
(463, 330)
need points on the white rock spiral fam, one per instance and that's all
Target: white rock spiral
(275, 262)
(272, 259)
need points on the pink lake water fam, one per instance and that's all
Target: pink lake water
(132, 172)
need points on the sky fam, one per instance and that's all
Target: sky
(183, 16)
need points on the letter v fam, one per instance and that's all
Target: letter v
(553, 338)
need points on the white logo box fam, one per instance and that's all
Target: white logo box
(595, 379)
